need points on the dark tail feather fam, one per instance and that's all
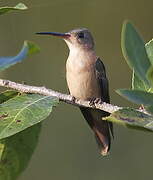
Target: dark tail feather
(102, 135)
(101, 128)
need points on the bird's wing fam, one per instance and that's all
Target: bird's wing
(104, 85)
(102, 80)
(101, 128)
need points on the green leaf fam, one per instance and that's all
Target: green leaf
(18, 7)
(24, 111)
(27, 49)
(32, 47)
(6, 95)
(149, 49)
(134, 51)
(137, 96)
(149, 75)
(132, 118)
(149, 109)
(138, 84)
(16, 152)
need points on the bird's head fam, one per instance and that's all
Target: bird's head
(77, 38)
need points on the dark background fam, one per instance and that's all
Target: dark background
(67, 149)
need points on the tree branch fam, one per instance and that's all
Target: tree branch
(62, 97)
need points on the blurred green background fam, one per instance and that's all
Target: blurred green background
(67, 149)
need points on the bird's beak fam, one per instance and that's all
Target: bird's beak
(62, 35)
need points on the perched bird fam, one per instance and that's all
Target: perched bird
(86, 80)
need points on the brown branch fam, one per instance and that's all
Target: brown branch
(62, 97)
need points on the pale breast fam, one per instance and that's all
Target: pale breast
(81, 80)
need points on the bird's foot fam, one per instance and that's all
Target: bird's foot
(94, 101)
(73, 99)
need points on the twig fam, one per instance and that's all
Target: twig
(62, 97)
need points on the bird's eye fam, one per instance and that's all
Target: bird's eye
(81, 35)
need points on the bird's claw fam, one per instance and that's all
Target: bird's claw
(73, 99)
(98, 100)
(94, 101)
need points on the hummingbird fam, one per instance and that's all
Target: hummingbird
(87, 80)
